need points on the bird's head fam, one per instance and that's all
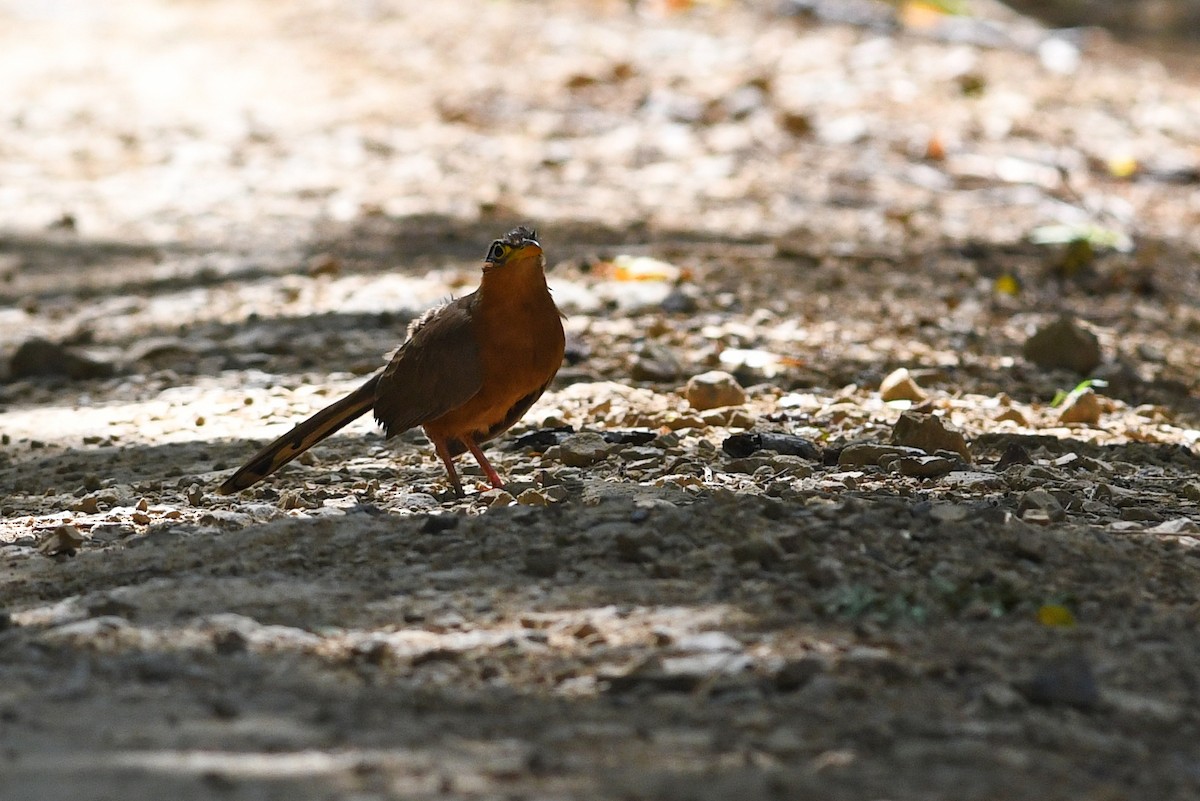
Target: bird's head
(519, 250)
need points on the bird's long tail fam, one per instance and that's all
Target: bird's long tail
(302, 437)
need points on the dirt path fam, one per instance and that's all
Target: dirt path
(221, 215)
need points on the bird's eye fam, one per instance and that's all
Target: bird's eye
(497, 252)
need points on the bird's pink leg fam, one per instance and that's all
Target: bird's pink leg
(448, 460)
(492, 475)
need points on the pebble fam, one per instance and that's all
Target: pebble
(555, 493)
(950, 512)
(194, 494)
(714, 389)
(926, 466)
(656, 362)
(583, 449)
(899, 385)
(1063, 344)
(791, 465)
(972, 480)
(865, 454)
(1012, 415)
(1081, 406)
(930, 433)
(497, 498)
(110, 533)
(728, 418)
(1067, 681)
(1038, 505)
(89, 504)
(1177, 525)
(533, 497)
(1001, 696)
(709, 642)
(740, 445)
(62, 541)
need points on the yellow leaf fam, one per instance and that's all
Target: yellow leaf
(1007, 284)
(919, 15)
(1122, 166)
(643, 268)
(1055, 615)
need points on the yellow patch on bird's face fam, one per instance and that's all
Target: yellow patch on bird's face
(502, 255)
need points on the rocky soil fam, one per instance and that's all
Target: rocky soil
(873, 470)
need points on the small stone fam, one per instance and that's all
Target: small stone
(1038, 505)
(741, 419)
(1001, 696)
(930, 433)
(717, 417)
(1064, 344)
(533, 497)
(110, 533)
(741, 445)
(89, 504)
(1081, 406)
(62, 541)
(676, 422)
(555, 492)
(1012, 415)
(1067, 681)
(714, 389)
(497, 498)
(1013, 454)
(583, 449)
(709, 642)
(949, 512)
(790, 465)
(866, 454)
(926, 466)
(900, 386)
(1059, 55)
(1176, 525)
(656, 362)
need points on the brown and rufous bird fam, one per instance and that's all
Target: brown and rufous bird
(468, 371)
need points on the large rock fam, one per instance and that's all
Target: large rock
(930, 433)
(1064, 344)
(714, 389)
(39, 357)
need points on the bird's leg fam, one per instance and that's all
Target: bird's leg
(475, 450)
(448, 460)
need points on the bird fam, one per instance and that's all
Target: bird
(468, 370)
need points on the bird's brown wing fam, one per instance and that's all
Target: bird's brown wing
(435, 371)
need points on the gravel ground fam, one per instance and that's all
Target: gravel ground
(811, 510)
